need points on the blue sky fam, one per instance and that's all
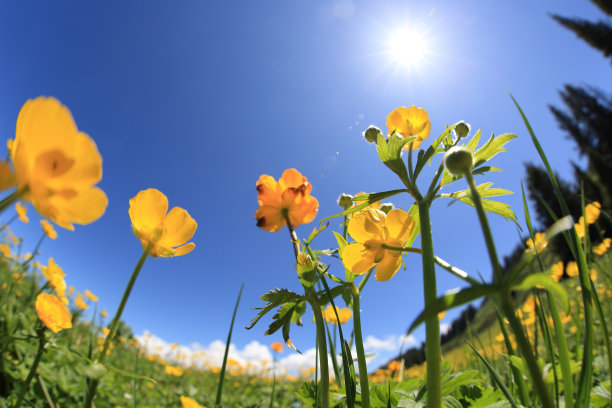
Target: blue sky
(198, 99)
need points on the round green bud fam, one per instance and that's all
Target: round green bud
(462, 129)
(306, 270)
(345, 201)
(458, 160)
(386, 207)
(371, 134)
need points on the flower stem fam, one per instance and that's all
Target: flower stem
(115, 322)
(11, 198)
(361, 360)
(41, 349)
(433, 352)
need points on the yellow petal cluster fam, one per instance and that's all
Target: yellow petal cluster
(22, 212)
(168, 231)
(173, 370)
(189, 403)
(540, 242)
(371, 229)
(48, 229)
(52, 312)
(90, 296)
(602, 247)
(344, 314)
(408, 122)
(55, 275)
(571, 269)
(56, 165)
(592, 212)
(556, 271)
(288, 198)
(80, 302)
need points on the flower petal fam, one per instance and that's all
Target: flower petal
(399, 224)
(357, 259)
(269, 218)
(292, 178)
(147, 211)
(388, 266)
(180, 227)
(367, 225)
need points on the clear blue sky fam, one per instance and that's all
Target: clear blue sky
(198, 99)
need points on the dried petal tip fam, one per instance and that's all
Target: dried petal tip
(458, 160)
(371, 134)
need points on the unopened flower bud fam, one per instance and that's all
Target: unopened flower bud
(371, 134)
(306, 270)
(386, 207)
(458, 160)
(462, 129)
(345, 201)
(95, 371)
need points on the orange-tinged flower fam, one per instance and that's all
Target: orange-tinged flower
(371, 229)
(189, 403)
(56, 165)
(168, 231)
(48, 229)
(22, 212)
(277, 346)
(556, 271)
(394, 365)
(91, 296)
(288, 198)
(571, 269)
(53, 313)
(344, 314)
(592, 211)
(409, 122)
(540, 242)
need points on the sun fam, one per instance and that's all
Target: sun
(408, 47)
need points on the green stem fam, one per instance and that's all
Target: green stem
(433, 352)
(39, 353)
(322, 343)
(36, 248)
(564, 358)
(361, 359)
(526, 350)
(484, 223)
(91, 392)
(11, 198)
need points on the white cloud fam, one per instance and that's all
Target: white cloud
(258, 357)
(444, 328)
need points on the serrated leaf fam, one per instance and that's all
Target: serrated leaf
(484, 190)
(368, 199)
(474, 141)
(274, 298)
(495, 207)
(451, 402)
(490, 149)
(451, 300)
(543, 280)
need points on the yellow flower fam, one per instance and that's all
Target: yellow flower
(6, 250)
(394, 365)
(189, 403)
(580, 227)
(277, 346)
(22, 212)
(592, 211)
(344, 314)
(540, 242)
(174, 370)
(56, 166)
(288, 198)
(79, 302)
(371, 229)
(55, 275)
(593, 274)
(168, 231)
(7, 178)
(408, 122)
(571, 269)
(91, 296)
(53, 313)
(556, 271)
(48, 229)
(103, 313)
(603, 247)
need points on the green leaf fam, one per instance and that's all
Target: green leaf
(491, 148)
(414, 213)
(451, 402)
(545, 281)
(274, 298)
(474, 141)
(451, 300)
(350, 276)
(455, 380)
(432, 150)
(369, 200)
(315, 232)
(484, 190)
(495, 207)
(390, 153)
